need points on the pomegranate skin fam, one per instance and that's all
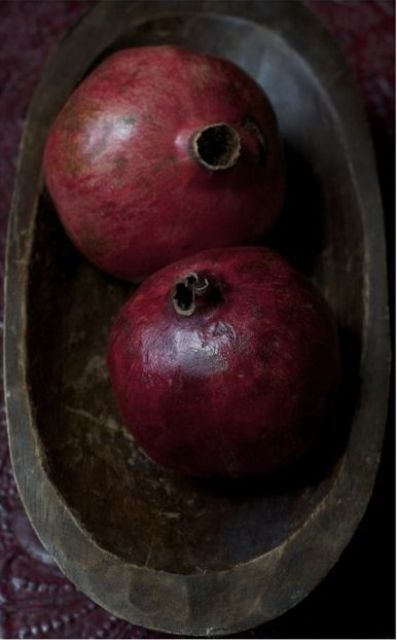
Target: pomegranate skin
(239, 384)
(161, 152)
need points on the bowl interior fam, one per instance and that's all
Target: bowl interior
(128, 505)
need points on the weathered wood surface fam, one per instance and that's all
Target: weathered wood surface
(161, 551)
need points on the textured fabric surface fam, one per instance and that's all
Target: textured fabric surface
(357, 598)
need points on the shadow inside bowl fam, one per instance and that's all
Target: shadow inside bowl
(299, 232)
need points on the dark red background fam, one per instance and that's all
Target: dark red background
(357, 598)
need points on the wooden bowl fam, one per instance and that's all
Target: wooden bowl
(165, 552)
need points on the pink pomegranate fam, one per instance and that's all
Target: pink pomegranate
(222, 363)
(161, 152)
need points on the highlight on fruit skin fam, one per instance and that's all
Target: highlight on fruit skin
(223, 364)
(161, 152)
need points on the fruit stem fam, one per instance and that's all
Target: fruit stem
(186, 291)
(216, 146)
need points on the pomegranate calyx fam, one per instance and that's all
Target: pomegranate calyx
(185, 292)
(216, 146)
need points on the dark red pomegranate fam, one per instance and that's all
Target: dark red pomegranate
(222, 363)
(161, 152)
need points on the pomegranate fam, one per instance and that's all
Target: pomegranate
(222, 363)
(161, 152)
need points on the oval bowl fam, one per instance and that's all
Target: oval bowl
(165, 552)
